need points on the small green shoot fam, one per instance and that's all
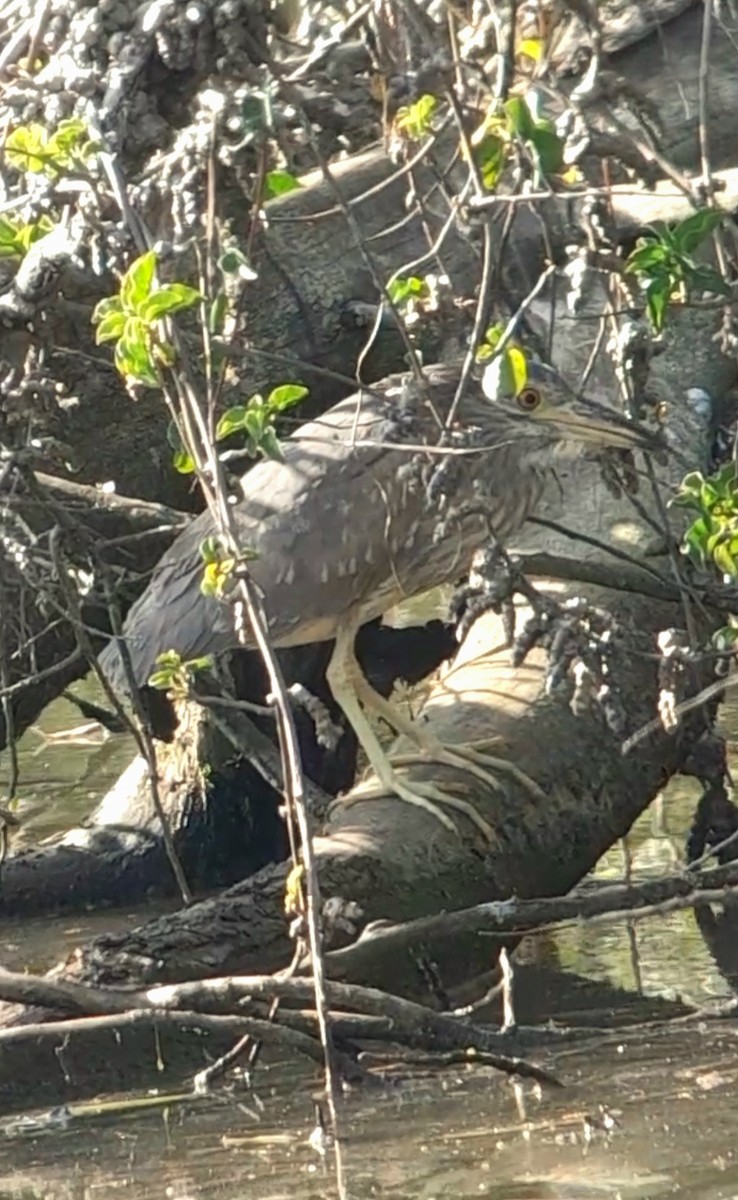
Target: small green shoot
(415, 121)
(175, 675)
(16, 238)
(131, 320)
(256, 419)
(68, 149)
(664, 264)
(713, 534)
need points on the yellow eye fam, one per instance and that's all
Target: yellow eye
(528, 399)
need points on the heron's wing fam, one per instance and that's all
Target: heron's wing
(334, 526)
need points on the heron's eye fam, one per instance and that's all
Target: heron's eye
(528, 399)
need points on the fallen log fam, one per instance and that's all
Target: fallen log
(223, 826)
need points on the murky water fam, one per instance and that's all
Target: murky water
(461, 1132)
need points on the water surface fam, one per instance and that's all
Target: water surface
(461, 1132)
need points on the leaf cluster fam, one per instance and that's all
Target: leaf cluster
(493, 142)
(713, 534)
(131, 320)
(664, 263)
(67, 149)
(255, 420)
(173, 674)
(16, 237)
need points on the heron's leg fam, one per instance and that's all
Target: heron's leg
(343, 675)
(484, 766)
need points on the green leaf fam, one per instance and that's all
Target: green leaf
(171, 298)
(658, 294)
(286, 396)
(405, 287)
(724, 559)
(25, 148)
(183, 463)
(232, 421)
(173, 436)
(132, 355)
(233, 262)
(194, 665)
(708, 495)
(103, 308)
(10, 244)
(138, 281)
(211, 550)
(519, 118)
(506, 375)
(531, 48)
(693, 483)
(161, 681)
(695, 538)
(694, 229)
(549, 149)
(725, 480)
(490, 155)
(415, 120)
(68, 133)
(110, 328)
(217, 313)
(28, 234)
(255, 422)
(279, 183)
(709, 280)
(253, 116)
(518, 367)
(493, 335)
(725, 638)
(644, 258)
(712, 542)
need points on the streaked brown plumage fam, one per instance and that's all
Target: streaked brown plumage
(347, 525)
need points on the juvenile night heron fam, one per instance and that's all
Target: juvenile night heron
(365, 511)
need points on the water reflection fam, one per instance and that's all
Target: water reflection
(460, 1133)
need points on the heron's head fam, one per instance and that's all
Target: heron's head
(550, 416)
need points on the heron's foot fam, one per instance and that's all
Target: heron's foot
(427, 796)
(487, 766)
(467, 757)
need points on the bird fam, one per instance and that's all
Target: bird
(388, 494)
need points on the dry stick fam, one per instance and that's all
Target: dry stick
(622, 555)
(8, 820)
(212, 477)
(143, 737)
(411, 1023)
(504, 918)
(707, 693)
(252, 1027)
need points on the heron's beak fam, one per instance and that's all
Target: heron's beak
(587, 421)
